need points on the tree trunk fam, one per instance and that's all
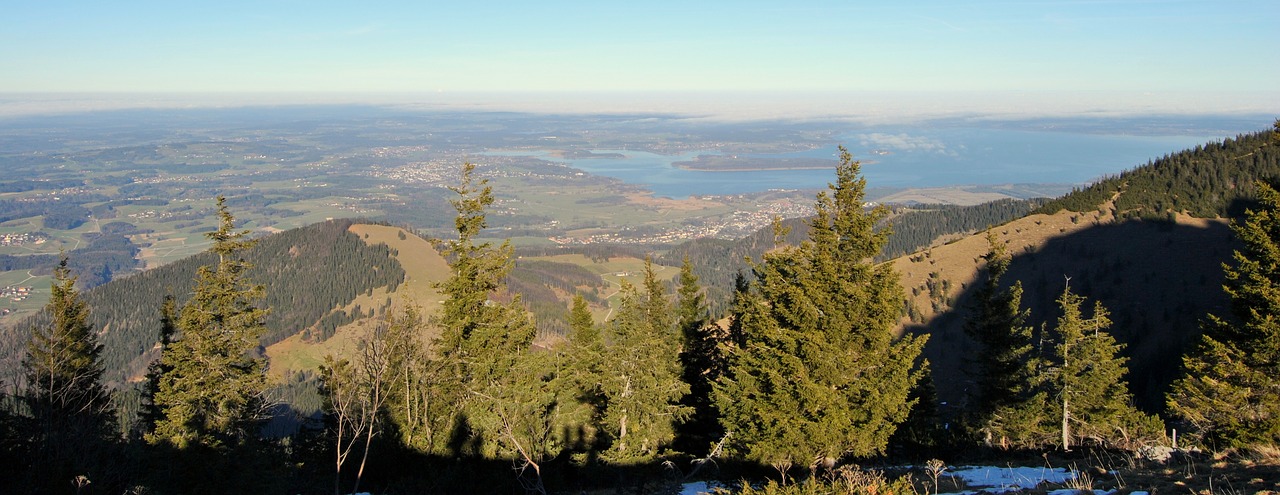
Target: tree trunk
(337, 472)
(1066, 425)
(368, 439)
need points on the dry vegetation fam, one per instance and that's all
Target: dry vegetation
(423, 267)
(954, 266)
(1233, 472)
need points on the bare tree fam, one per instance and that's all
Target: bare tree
(357, 391)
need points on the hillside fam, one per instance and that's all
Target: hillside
(310, 274)
(422, 267)
(1149, 244)
(1126, 265)
(717, 262)
(327, 286)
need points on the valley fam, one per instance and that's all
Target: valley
(150, 177)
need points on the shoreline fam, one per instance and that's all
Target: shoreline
(685, 165)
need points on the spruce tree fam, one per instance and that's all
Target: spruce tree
(211, 393)
(62, 362)
(820, 375)
(702, 359)
(1229, 393)
(503, 393)
(641, 384)
(585, 372)
(71, 419)
(1002, 374)
(1086, 381)
(150, 413)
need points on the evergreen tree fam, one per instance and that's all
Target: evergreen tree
(585, 372)
(1003, 363)
(924, 429)
(641, 384)
(702, 359)
(150, 413)
(657, 306)
(211, 393)
(1229, 392)
(71, 420)
(62, 361)
(503, 392)
(821, 375)
(1086, 380)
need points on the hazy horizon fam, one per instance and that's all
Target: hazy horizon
(739, 60)
(858, 106)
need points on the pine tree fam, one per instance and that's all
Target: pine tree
(1086, 380)
(821, 375)
(211, 393)
(71, 420)
(1003, 371)
(1229, 392)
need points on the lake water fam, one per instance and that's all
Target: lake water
(906, 157)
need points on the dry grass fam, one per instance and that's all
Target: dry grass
(1253, 471)
(423, 267)
(959, 260)
(1225, 473)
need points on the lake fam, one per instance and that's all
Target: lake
(905, 157)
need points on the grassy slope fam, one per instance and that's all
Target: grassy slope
(423, 268)
(1157, 278)
(614, 271)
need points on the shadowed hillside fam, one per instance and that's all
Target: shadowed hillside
(1159, 279)
(1149, 244)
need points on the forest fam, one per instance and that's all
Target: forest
(794, 380)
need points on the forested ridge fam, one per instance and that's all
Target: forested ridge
(545, 287)
(1216, 179)
(308, 272)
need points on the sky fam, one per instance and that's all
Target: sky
(1157, 55)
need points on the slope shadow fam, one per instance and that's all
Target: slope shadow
(1158, 279)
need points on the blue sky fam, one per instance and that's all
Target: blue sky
(1180, 48)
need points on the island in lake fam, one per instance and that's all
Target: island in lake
(584, 154)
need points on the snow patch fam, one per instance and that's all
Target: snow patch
(997, 479)
(696, 488)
